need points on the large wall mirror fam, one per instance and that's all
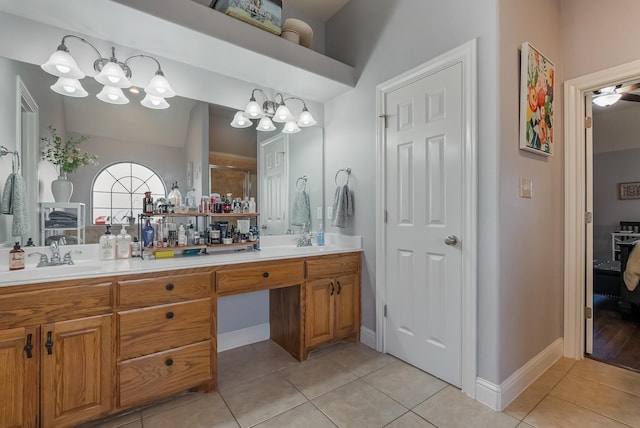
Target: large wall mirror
(191, 143)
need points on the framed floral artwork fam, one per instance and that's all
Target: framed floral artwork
(536, 101)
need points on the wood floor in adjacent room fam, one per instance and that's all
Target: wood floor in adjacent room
(616, 339)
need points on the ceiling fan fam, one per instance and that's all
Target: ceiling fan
(610, 95)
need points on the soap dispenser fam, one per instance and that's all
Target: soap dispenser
(107, 245)
(123, 244)
(16, 257)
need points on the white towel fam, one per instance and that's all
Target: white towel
(13, 203)
(301, 214)
(342, 206)
(632, 271)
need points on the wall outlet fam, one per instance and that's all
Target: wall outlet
(526, 187)
(329, 212)
(319, 213)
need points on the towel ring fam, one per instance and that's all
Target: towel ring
(15, 155)
(304, 183)
(346, 171)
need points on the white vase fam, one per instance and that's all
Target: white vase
(61, 189)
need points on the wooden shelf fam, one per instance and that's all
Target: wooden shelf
(179, 248)
(199, 214)
(235, 244)
(233, 215)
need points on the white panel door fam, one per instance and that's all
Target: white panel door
(424, 143)
(588, 139)
(273, 184)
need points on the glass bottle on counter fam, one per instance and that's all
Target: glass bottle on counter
(136, 251)
(16, 257)
(123, 244)
(175, 197)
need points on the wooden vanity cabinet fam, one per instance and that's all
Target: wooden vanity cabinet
(165, 336)
(57, 363)
(332, 299)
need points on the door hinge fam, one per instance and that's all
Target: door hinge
(385, 216)
(384, 117)
(588, 122)
(588, 217)
(588, 313)
(385, 311)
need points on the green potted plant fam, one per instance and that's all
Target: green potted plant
(67, 157)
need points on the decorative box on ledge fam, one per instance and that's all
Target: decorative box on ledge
(265, 14)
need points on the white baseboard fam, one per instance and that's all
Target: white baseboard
(368, 337)
(245, 336)
(500, 396)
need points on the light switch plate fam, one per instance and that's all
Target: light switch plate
(526, 190)
(319, 213)
(329, 212)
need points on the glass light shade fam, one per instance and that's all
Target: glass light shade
(306, 119)
(240, 121)
(606, 100)
(159, 86)
(113, 75)
(69, 87)
(112, 95)
(283, 115)
(157, 103)
(290, 128)
(253, 110)
(266, 124)
(62, 64)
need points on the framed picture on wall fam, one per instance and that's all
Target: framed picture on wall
(629, 190)
(536, 101)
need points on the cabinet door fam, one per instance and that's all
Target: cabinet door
(77, 370)
(347, 306)
(319, 311)
(19, 374)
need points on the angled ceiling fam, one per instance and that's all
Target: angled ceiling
(321, 10)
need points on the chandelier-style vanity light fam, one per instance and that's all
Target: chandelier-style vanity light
(114, 75)
(270, 112)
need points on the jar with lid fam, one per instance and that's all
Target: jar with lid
(147, 203)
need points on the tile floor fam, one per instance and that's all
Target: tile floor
(351, 385)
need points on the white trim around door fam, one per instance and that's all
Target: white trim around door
(465, 54)
(575, 202)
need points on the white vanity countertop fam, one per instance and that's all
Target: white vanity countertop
(87, 264)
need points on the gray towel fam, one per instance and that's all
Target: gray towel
(342, 206)
(301, 214)
(13, 203)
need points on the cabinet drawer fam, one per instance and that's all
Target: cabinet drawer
(168, 289)
(333, 265)
(259, 277)
(159, 375)
(149, 330)
(29, 308)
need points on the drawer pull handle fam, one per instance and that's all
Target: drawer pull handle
(28, 347)
(265, 275)
(169, 287)
(332, 289)
(169, 315)
(169, 362)
(49, 343)
(339, 287)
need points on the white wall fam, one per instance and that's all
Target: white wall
(530, 237)
(197, 150)
(8, 137)
(382, 39)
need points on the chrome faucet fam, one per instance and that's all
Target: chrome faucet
(305, 239)
(55, 254)
(55, 257)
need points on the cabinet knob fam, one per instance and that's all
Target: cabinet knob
(265, 275)
(169, 315)
(169, 287)
(169, 362)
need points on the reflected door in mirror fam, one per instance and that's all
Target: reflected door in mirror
(273, 181)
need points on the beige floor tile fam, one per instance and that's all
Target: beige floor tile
(317, 376)
(258, 400)
(404, 383)
(624, 380)
(358, 404)
(165, 405)
(524, 425)
(303, 416)
(452, 408)
(208, 412)
(251, 362)
(410, 420)
(360, 359)
(603, 399)
(553, 412)
(129, 420)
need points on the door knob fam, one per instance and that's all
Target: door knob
(451, 240)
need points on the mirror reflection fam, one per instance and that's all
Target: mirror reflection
(190, 143)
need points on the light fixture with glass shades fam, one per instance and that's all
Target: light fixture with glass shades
(113, 74)
(272, 111)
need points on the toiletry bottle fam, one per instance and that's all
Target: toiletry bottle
(320, 236)
(190, 234)
(182, 236)
(123, 244)
(148, 234)
(16, 257)
(252, 205)
(136, 251)
(107, 245)
(30, 243)
(175, 197)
